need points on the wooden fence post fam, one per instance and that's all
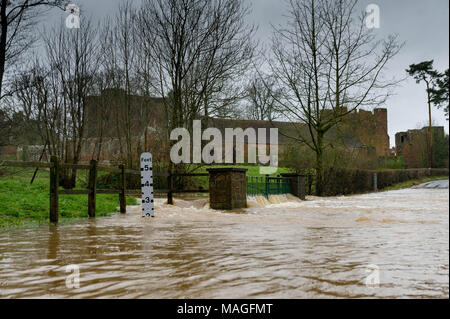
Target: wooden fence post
(54, 184)
(122, 198)
(170, 193)
(310, 182)
(92, 185)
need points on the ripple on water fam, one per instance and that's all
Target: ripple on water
(281, 248)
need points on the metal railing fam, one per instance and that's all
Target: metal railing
(267, 185)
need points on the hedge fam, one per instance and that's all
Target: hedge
(341, 181)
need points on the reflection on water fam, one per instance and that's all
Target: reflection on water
(282, 248)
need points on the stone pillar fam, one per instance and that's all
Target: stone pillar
(227, 188)
(298, 184)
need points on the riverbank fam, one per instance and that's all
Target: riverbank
(321, 248)
(414, 182)
(22, 203)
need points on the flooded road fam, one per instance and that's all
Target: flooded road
(320, 248)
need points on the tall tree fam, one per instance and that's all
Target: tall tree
(440, 93)
(261, 104)
(199, 49)
(327, 64)
(424, 71)
(17, 20)
(38, 94)
(120, 46)
(74, 55)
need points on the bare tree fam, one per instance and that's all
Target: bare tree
(199, 49)
(101, 83)
(327, 64)
(130, 74)
(17, 20)
(73, 53)
(37, 93)
(261, 95)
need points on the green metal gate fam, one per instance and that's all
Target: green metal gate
(266, 185)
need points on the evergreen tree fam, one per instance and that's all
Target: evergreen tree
(440, 94)
(423, 72)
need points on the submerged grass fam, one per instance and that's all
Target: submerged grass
(22, 203)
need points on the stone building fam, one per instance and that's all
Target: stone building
(413, 145)
(364, 131)
(115, 122)
(106, 115)
(112, 119)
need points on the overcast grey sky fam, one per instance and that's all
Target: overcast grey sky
(422, 25)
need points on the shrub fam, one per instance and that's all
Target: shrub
(342, 181)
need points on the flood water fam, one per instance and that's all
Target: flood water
(320, 248)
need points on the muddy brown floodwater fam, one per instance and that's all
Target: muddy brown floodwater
(284, 249)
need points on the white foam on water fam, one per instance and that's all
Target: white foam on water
(285, 201)
(319, 248)
(274, 201)
(182, 207)
(200, 207)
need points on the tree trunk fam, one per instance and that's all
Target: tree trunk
(430, 129)
(319, 164)
(3, 42)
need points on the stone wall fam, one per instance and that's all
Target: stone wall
(298, 185)
(227, 188)
(413, 145)
(371, 129)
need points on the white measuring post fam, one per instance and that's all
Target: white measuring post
(148, 206)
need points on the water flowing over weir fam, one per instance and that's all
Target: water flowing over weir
(278, 247)
(182, 206)
(261, 201)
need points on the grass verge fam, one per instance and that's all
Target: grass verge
(22, 203)
(413, 182)
(252, 170)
